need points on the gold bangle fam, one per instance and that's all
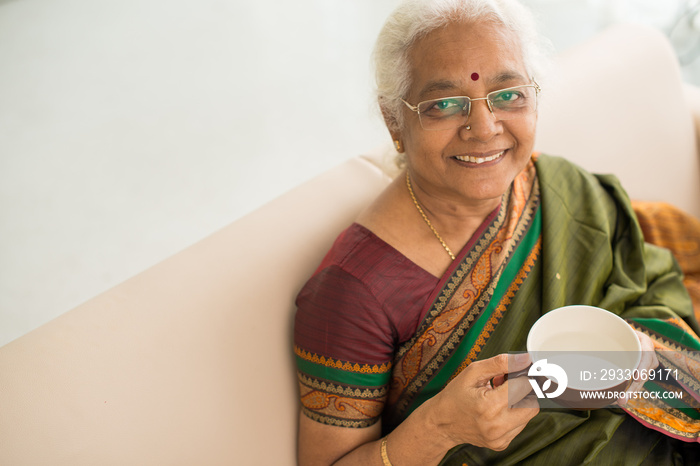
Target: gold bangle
(385, 457)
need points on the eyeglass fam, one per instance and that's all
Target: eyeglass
(453, 112)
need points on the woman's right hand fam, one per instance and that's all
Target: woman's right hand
(471, 410)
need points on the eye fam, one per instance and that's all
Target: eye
(443, 107)
(512, 99)
(445, 104)
(507, 96)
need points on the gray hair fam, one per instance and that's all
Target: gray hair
(413, 19)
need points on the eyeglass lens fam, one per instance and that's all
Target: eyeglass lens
(452, 112)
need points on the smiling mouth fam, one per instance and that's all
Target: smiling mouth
(479, 160)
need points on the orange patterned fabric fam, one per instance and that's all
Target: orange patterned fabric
(669, 227)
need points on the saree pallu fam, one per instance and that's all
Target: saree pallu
(593, 252)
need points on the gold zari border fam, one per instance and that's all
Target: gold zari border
(342, 365)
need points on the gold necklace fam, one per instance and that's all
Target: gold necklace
(408, 183)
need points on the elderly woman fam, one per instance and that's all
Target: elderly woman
(403, 334)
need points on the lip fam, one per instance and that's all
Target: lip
(480, 159)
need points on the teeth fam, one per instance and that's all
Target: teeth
(479, 159)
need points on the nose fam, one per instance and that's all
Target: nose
(482, 122)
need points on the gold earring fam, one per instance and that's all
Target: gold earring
(398, 145)
(468, 128)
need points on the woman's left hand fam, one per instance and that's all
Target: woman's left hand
(648, 363)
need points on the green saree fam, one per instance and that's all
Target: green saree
(566, 237)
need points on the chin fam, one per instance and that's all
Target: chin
(490, 190)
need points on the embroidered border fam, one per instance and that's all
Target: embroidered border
(656, 413)
(663, 344)
(339, 422)
(493, 321)
(342, 365)
(339, 404)
(644, 410)
(343, 390)
(414, 367)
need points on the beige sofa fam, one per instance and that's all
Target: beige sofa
(190, 363)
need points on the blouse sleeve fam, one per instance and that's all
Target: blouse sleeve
(343, 344)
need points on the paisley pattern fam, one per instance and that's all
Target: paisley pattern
(339, 392)
(500, 310)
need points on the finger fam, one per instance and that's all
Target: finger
(498, 380)
(485, 370)
(519, 361)
(654, 360)
(636, 385)
(517, 389)
(622, 401)
(646, 362)
(645, 341)
(524, 412)
(528, 406)
(649, 359)
(515, 368)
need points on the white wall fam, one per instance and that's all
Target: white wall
(130, 129)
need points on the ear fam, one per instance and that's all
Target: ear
(393, 126)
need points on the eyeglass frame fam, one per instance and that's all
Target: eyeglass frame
(415, 108)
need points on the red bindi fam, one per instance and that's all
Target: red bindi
(475, 76)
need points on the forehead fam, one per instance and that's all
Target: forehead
(445, 59)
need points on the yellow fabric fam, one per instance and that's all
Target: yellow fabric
(671, 228)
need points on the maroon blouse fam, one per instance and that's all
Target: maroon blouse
(363, 301)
